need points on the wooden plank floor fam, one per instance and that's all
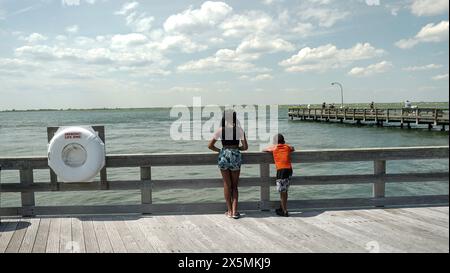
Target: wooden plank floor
(424, 229)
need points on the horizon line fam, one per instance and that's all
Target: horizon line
(190, 106)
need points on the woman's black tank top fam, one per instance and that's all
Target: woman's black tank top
(230, 142)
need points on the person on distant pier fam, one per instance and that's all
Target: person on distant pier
(282, 157)
(231, 135)
(372, 106)
(324, 105)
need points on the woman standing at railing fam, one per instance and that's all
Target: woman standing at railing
(231, 135)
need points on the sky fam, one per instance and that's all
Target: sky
(111, 53)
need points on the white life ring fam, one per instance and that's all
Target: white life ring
(76, 154)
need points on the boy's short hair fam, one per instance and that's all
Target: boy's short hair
(278, 139)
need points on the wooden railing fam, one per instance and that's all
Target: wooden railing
(27, 187)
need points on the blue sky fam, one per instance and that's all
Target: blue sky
(107, 53)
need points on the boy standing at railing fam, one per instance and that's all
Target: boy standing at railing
(282, 157)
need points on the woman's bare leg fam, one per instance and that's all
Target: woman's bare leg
(227, 189)
(234, 188)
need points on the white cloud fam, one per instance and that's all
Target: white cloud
(240, 25)
(422, 67)
(125, 53)
(71, 2)
(429, 7)
(271, 2)
(251, 48)
(187, 89)
(85, 42)
(320, 2)
(434, 33)
(72, 29)
(268, 2)
(61, 38)
(34, 38)
(262, 77)
(303, 29)
(328, 57)
(140, 22)
(261, 44)
(430, 33)
(127, 8)
(373, 2)
(77, 2)
(182, 42)
(223, 60)
(137, 21)
(372, 69)
(441, 77)
(128, 40)
(325, 17)
(209, 15)
(16, 66)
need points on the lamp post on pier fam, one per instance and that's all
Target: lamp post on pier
(342, 92)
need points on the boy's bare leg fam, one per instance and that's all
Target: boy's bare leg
(234, 189)
(226, 175)
(284, 198)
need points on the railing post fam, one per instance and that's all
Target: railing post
(0, 193)
(379, 186)
(435, 117)
(146, 187)
(104, 185)
(417, 116)
(53, 177)
(27, 198)
(264, 170)
(402, 119)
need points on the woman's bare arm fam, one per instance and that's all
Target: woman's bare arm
(244, 146)
(212, 145)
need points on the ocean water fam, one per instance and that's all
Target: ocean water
(147, 131)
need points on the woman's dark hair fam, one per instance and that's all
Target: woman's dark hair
(278, 139)
(226, 117)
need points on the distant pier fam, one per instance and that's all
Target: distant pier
(403, 117)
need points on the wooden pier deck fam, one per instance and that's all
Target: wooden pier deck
(404, 117)
(420, 229)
